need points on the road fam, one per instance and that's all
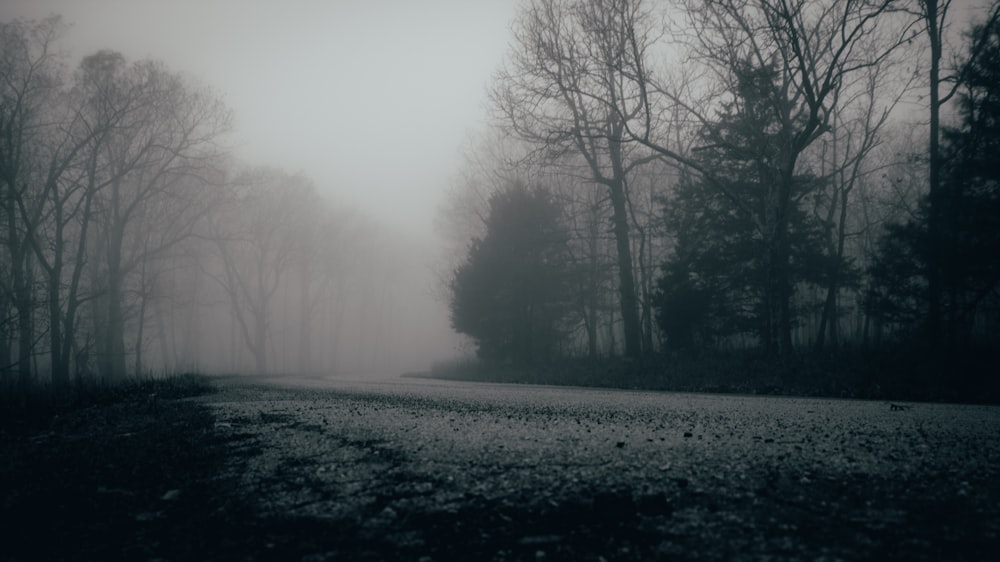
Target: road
(432, 470)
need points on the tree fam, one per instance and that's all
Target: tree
(972, 212)
(709, 288)
(956, 232)
(856, 130)
(495, 161)
(69, 175)
(715, 284)
(510, 295)
(159, 159)
(562, 90)
(29, 79)
(798, 55)
(256, 237)
(933, 14)
(591, 253)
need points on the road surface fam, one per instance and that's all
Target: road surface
(431, 470)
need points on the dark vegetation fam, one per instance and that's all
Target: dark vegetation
(129, 471)
(41, 406)
(891, 373)
(106, 471)
(775, 249)
(512, 294)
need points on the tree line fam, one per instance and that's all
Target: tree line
(775, 175)
(132, 240)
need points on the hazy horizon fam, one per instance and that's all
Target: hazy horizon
(371, 100)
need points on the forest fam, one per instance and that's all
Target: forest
(134, 242)
(798, 194)
(804, 188)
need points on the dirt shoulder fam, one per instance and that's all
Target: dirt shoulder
(260, 473)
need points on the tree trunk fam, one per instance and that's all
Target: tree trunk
(260, 335)
(140, 333)
(260, 350)
(934, 257)
(592, 296)
(25, 335)
(5, 341)
(626, 279)
(778, 289)
(115, 328)
(646, 318)
(58, 331)
(784, 286)
(828, 316)
(305, 322)
(620, 218)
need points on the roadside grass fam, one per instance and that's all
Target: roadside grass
(36, 406)
(896, 373)
(99, 471)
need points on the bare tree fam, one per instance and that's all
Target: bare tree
(161, 154)
(563, 89)
(255, 235)
(30, 77)
(856, 130)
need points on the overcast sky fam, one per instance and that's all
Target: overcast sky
(370, 99)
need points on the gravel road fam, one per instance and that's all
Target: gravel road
(415, 469)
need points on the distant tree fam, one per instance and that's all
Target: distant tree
(511, 294)
(257, 238)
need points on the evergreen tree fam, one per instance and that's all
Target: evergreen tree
(735, 263)
(512, 294)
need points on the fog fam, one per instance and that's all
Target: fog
(248, 186)
(370, 101)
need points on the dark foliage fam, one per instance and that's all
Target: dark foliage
(511, 294)
(730, 265)
(97, 472)
(968, 239)
(890, 372)
(710, 287)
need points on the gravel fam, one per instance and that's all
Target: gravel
(431, 470)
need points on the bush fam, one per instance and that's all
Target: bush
(884, 374)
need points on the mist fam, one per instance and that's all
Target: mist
(453, 280)
(366, 104)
